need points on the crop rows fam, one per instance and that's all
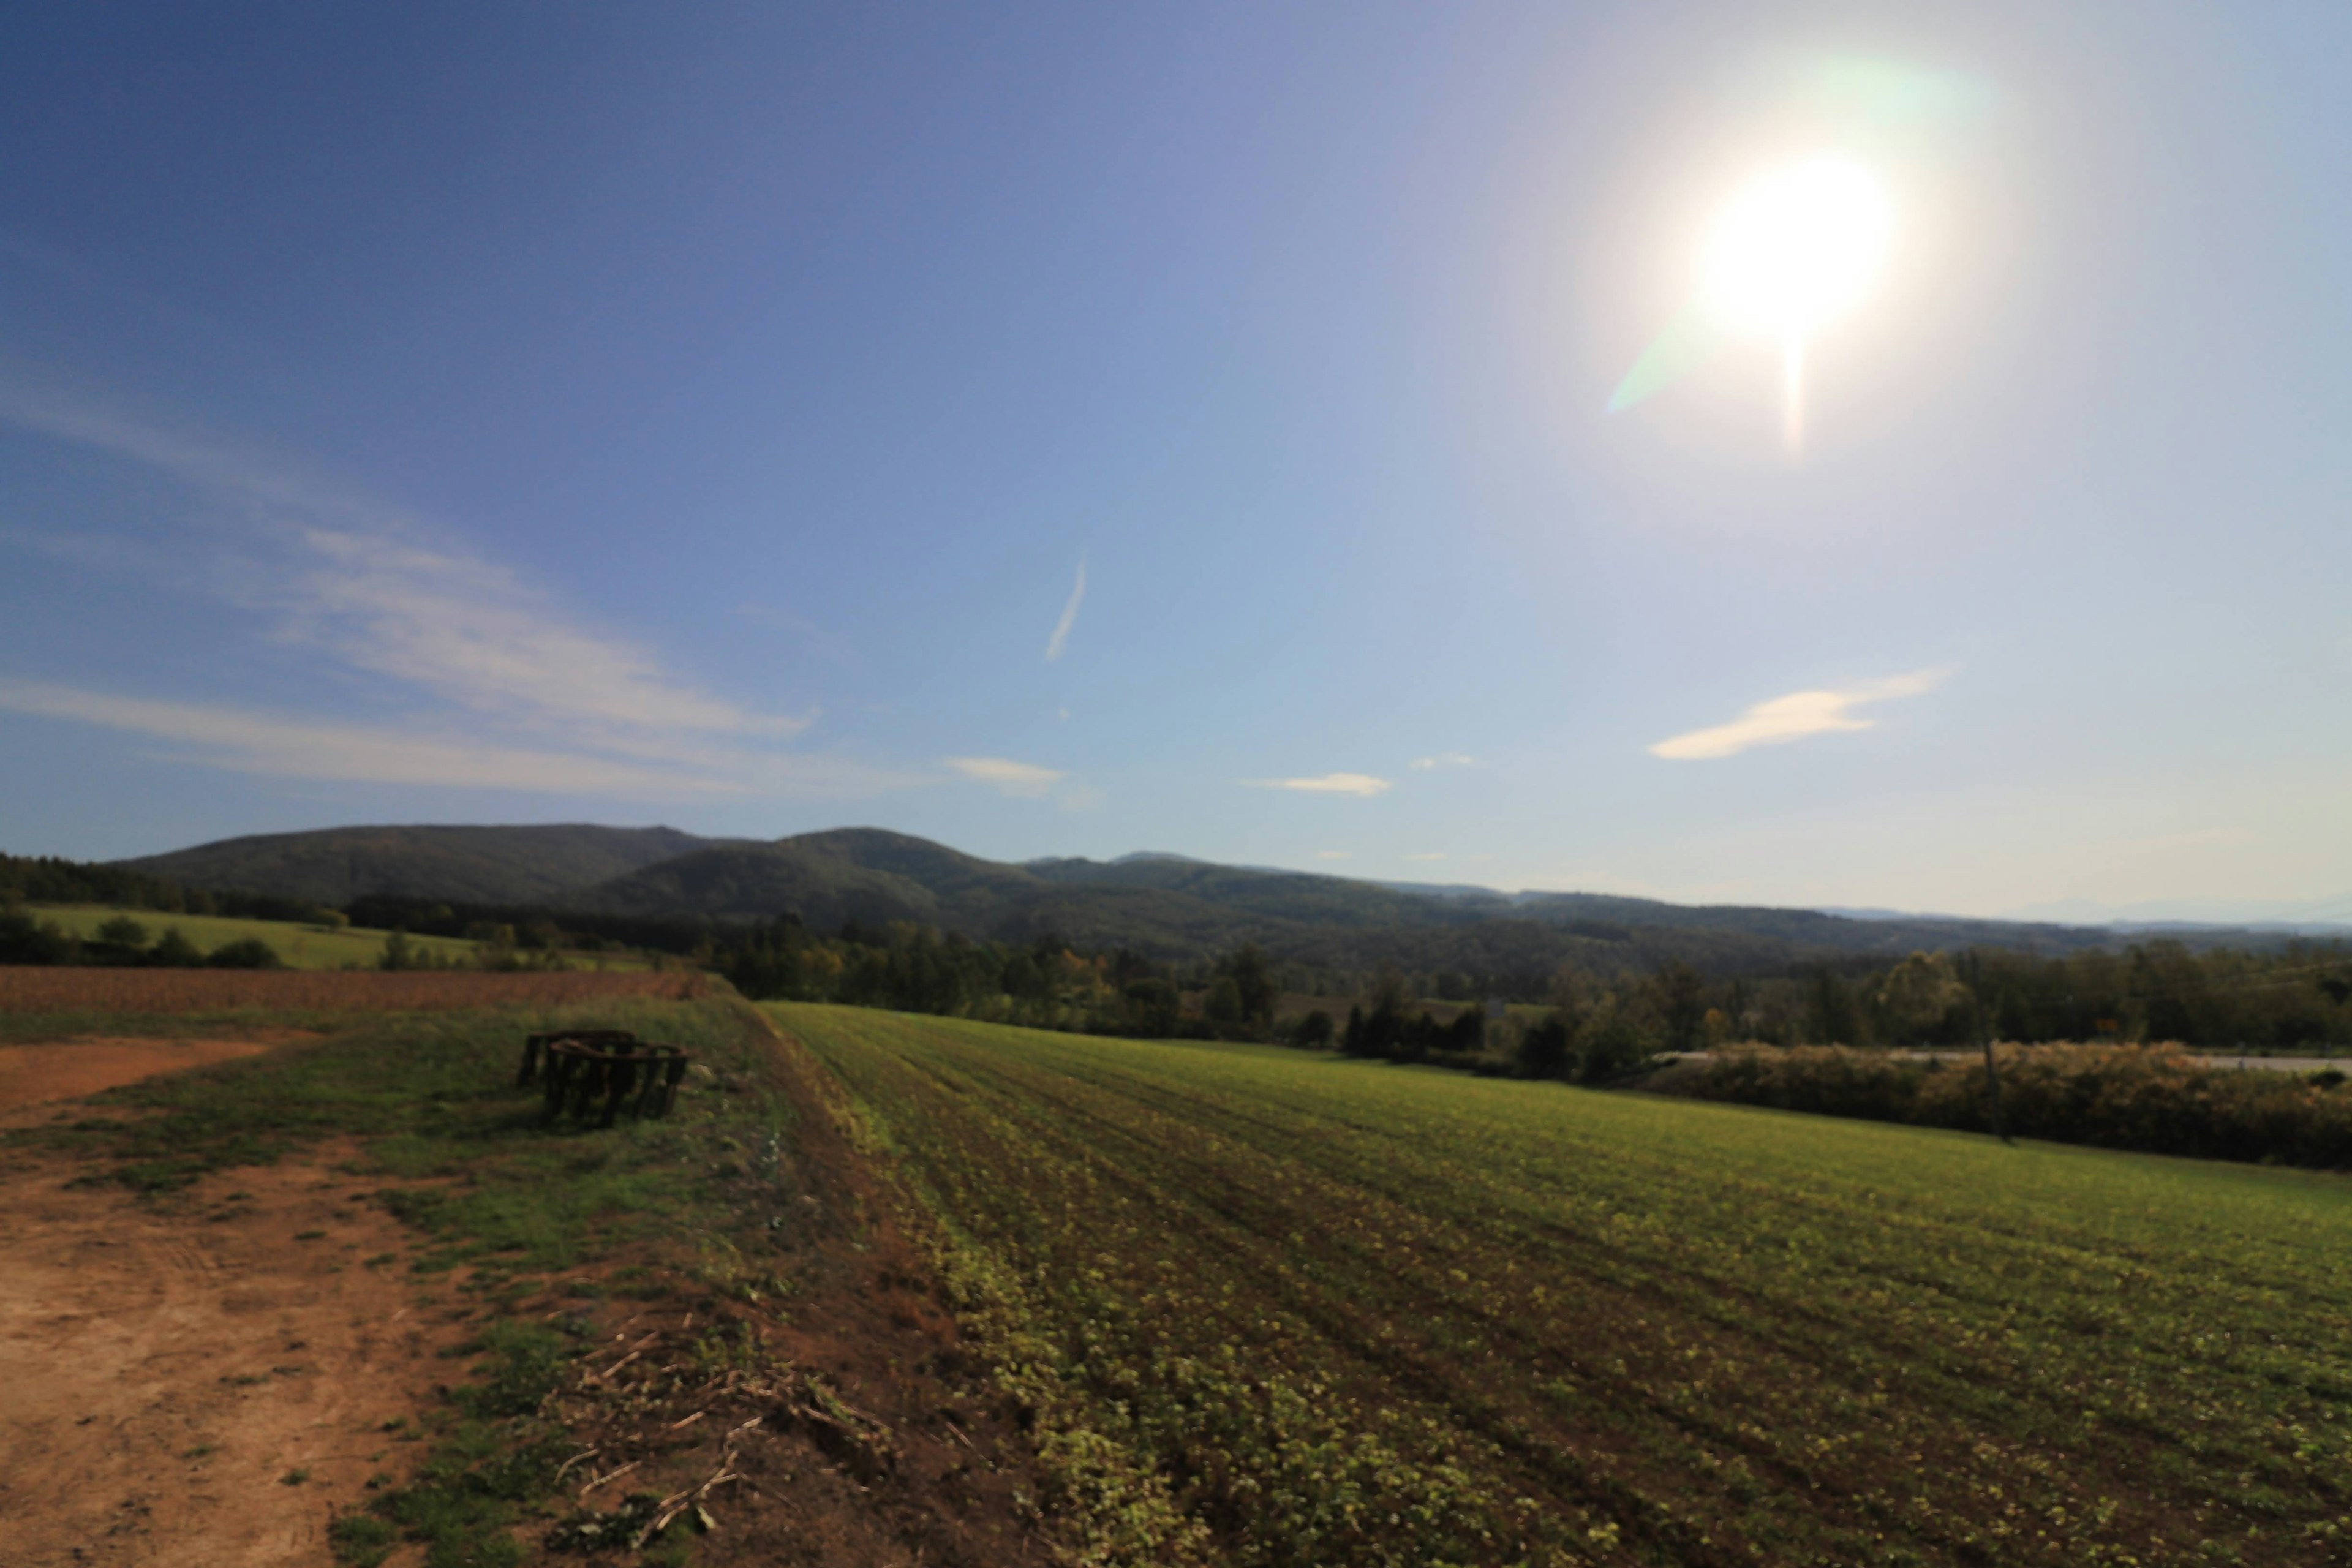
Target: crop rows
(79, 989)
(1274, 1309)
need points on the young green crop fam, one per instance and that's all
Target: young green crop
(1275, 1308)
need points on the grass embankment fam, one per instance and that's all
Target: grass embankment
(297, 946)
(509, 1208)
(1273, 1309)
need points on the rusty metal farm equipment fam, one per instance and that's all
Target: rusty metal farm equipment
(578, 1067)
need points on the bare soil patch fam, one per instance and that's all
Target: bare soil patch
(204, 1382)
(43, 1073)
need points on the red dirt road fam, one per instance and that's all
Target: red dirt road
(67, 1069)
(168, 1371)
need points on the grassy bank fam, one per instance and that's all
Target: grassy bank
(1273, 1309)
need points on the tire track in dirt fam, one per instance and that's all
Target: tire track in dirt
(171, 1366)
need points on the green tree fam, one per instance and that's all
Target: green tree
(1917, 998)
(1253, 983)
(247, 953)
(123, 932)
(174, 951)
(1222, 1006)
(1682, 1004)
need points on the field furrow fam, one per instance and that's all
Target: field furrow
(1353, 1313)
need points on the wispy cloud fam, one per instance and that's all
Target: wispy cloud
(1794, 716)
(1361, 785)
(1331, 854)
(469, 633)
(1433, 855)
(1447, 760)
(525, 694)
(250, 742)
(1054, 643)
(1003, 774)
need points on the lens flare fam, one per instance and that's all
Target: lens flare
(1793, 250)
(1796, 248)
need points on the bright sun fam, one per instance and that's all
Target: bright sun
(1793, 251)
(1796, 248)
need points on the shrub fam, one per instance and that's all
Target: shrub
(2153, 1099)
(175, 952)
(247, 953)
(122, 932)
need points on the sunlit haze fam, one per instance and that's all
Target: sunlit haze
(1887, 458)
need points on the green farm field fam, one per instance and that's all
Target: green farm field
(299, 946)
(1270, 1308)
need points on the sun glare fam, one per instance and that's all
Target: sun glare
(1793, 251)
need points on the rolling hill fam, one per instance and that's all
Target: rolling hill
(462, 865)
(1165, 906)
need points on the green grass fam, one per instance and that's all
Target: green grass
(1273, 1309)
(297, 946)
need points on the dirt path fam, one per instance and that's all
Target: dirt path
(56, 1070)
(169, 1373)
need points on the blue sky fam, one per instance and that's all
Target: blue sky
(1070, 431)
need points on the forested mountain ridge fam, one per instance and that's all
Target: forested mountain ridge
(471, 865)
(1164, 906)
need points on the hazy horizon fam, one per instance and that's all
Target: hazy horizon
(1276, 437)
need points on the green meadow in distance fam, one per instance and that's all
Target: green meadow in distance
(1272, 1308)
(297, 946)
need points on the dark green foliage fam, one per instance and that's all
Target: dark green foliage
(1611, 1045)
(175, 952)
(252, 952)
(48, 880)
(1544, 1050)
(2152, 1100)
(23, 940)
(122, 932)
(1313, 1031)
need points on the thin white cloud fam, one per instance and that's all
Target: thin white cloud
(1794, 716)
(1434, 855)
(528, 694)
(1331, 854)
(1362, 785)
(468, 632)
(1447, 760)
(1054, 643)
(249, 742)
(1023, 779)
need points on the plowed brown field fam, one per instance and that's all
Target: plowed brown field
(74, 988)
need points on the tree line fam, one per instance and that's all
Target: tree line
(123, 942)
(49, 879)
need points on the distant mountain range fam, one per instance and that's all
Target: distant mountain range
(1167, 906)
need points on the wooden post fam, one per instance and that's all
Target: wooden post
(1992, 1089)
